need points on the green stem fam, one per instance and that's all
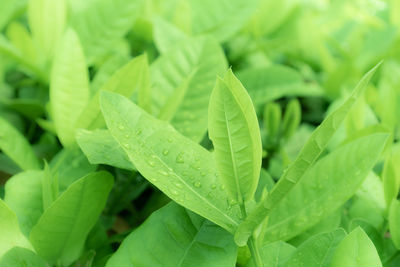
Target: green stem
(252, 243)
(255, 253)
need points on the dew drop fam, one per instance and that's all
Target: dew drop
(151, 163)
(138, 132)
(163, 173)
(121, 127)
(127, 136)
(202, 173)
(126, 145)
(197, 184)
(213, 186)
(165, 152)
(179, 158)
(179, 185)
(174, 192)
(222, 187)
(232, 202)
(169, 140)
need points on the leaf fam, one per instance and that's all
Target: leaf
(15, 146)
(61, 231)
(8, 8)
(189, 71)
(356, 250)
(125, 81)
(194, 241)
(69, 87)
(391, 175)
(21, 257)
(49, 187)
(394, 222)
(28, 208)
(47, 20)
(222, 19)
(101, 148)
(234, 131)
(325, 187)
(318, 250)
(305, 159)
(69, 165)
(166, 35)
(275, 254)
(265, 84)
(180, 168)
(10, 234)
(101, 23)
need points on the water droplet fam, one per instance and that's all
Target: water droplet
(138, 132)
(232, 202)
(153, 179)
(179, 158)
(197, 184)
(163, 173)
(121, 127)
(169, 140)
(202, 173)
(165, 152)
(127, 136)
(126, 145)
(213, 186)
(174, 192)
(222, 187)
(151, 163)
(179, 185)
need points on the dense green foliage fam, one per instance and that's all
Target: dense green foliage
(199, 133)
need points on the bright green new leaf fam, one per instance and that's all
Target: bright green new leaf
(47, 19)
(49, 187)
(269, 83)
(126, 80)
(21, 257)
(8, 8)
(101, 148)
(28, 208)
(291, 119)
(111, 19)
(394, 222)
(272, 123)
(234, 131)
(16, 147)
(318, 250)
(10, 234)
(391, 175)
(166, 35)
(69, 87)
(305, 159)
(275, 254)
(180, 168)
(182, 83)
(324, 188)
(356, 250)
(193, 240)
(61, 231)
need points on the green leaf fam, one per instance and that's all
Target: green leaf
(275, 254)
(356, 250)
(28, 208)
(111, 21)
(272, 123)
(221, 18)
(291, 119)
(126, 80)
(188, 71)
(391, 175)
(10, 234)
(318, 250)
(101, 148)
(266, 84)
(193, 240)
(325, 187)
(61, 231)
(69, 87)
(8, 8)
(234, 131)
(69, 165)
(15, 146)
(305, 159)
(47, 20)
(21, 257)
(180, 168)
(394, 222)
(49, 187)
(166, 35)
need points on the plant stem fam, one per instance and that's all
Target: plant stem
(252, 243)
(255, 253)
